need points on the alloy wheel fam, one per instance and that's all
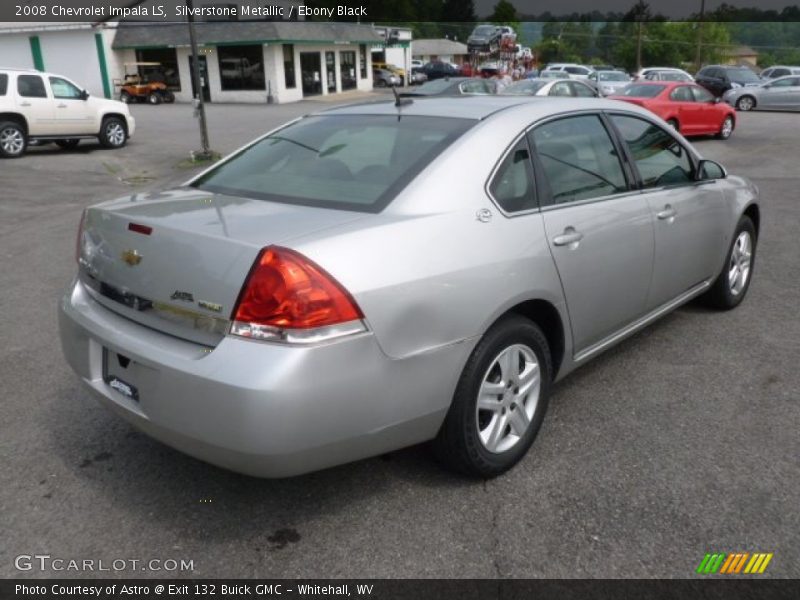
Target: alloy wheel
(12, 141)
(739, 265)
(115, 133)
(745, 103)
(507, 398)
(727, 128)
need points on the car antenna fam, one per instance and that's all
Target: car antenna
(398, 101)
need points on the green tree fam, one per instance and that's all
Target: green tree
(504, 13)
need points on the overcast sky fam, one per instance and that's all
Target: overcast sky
(670, 8)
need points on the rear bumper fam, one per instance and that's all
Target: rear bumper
(262, 409)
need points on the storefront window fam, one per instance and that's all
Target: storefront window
(362, 50)
(347, 60)
(330, 71)
(241, 67)
(288, 66)
(159, 65)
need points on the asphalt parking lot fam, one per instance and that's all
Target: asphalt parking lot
(681, 441)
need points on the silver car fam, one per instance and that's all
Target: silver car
(375, 276)
(571, 88)
(782, 93)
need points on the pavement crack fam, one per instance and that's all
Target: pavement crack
(495, 538)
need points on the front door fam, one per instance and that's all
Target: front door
(689, 216)
(690, 113)
(204, 83)
(599, 229)
(73, 114)
(311, 73)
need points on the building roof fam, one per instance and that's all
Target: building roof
(741, 51)
(132, 34)
(437, 47)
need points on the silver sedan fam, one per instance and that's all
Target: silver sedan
(380, 275)
(782, 93)
(550, 87)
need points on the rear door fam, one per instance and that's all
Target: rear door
(780, 93)
(690, 113)
(599, 230)
(35, 103)
(689, 216)
(72, 114)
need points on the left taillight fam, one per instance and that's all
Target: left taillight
(289, 298)
(79, 238)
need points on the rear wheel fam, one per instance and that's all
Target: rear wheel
(154, 98)
(68, 144)
(13, 139)
(381, 83)
(726, 129)
(169, 97)
(500, 400)
(746, 103)
(113, 133)
(733, 282)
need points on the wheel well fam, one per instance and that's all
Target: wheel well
(120, 116)
(17, 118)
(753, 98)
(754, 213)
(546, 316)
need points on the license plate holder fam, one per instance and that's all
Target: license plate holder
(117, 377)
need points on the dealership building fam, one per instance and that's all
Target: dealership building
(239, 61)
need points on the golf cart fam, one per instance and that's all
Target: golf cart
(144, 81)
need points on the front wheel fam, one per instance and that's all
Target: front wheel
(500, 400)
(113, 133)
(745, 103)
(13, 140)
(726, 129)
(732, 284)
(154, 98)
(125, 97)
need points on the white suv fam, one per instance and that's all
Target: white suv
(43, 107)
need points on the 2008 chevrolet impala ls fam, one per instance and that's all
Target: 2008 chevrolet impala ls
(376, 276)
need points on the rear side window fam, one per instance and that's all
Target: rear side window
(643, 91)
(582, 91)
(31, 86)
(660, 158)
(578, 159)
(3, 84)
(512, 184)
(347, 162)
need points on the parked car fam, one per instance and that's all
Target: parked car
(550, 87)
(778, 71)
(438, 70)
(687, 107)
(484, 38)
(248, 317)
(548, 74)
(416, 63)
(608, 83)
(572, 70)
(678, 74)
(400, 73)
(384, 78)
(454, 86)
(718, 79)
(417, 76)
(45, 107)
(782, 93)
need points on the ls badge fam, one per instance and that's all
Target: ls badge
(131, 257)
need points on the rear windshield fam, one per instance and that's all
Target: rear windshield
(643, 91)
(485, 29)
(3, 84)
(524, 88)
(346, 162)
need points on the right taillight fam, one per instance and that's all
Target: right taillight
(79, 239)
(289, 298)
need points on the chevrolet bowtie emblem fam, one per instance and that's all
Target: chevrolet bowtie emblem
(131, 257)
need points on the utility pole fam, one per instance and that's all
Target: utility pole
(698, 59)
(639, 45)
(205, 153)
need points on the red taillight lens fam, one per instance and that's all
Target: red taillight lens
(79, 239)
(287, 291)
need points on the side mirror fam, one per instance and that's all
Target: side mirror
(717, 100)
(708, 170)
(84, 95)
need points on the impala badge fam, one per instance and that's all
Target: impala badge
(131, 257)
(185, 296)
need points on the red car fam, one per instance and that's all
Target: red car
(689, 108)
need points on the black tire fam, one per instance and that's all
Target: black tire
(13, 139)
(674, 124)
(169, 97)
(725, 132)
(125, 97)
(380, 83)
(458, 444)
(67, 144)
(109, 134)
(746, 103)
(154, 98)
(721, 295)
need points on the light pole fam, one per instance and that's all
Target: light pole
(698, 59)
(205, 153)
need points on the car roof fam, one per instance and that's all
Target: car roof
(18, 70)
(479, 107)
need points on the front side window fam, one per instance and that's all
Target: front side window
(561, 88)
(582, 91)
(660, 158)
(241, 67)
(512, 184)
(63, 89)
(347, 162)
(681, 94)
(788, 82)
(701, 94)
(780, 72)
(3, 84)
(31, 86)
(578, 159)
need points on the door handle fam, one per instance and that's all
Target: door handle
(668, 214)
(569, 237)
(61, 105)
(24, 103)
